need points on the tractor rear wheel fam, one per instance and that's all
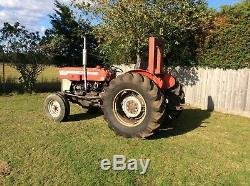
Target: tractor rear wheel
(133, 105)
(56, 107)
(176, 97)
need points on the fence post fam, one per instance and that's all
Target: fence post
(3, 73)
(3, 77)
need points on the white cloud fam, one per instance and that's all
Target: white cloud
(31, 13)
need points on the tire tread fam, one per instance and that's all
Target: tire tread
(155, 95)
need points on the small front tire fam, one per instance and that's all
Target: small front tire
(56, 107)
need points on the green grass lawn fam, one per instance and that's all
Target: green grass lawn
(200, 148)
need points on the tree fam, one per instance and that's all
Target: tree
(64, 41)
(125, 26)
(228, 44)
(21, 49)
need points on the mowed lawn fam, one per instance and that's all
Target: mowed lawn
(200, 148)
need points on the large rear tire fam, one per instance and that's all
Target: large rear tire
(176, 98)
(133, 105)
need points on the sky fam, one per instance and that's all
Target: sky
(33, 14)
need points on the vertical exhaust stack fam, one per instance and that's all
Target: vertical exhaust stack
(84, 62)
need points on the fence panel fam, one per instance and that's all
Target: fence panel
(226, 91)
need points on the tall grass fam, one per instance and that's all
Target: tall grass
(10, 85)
(47, 81)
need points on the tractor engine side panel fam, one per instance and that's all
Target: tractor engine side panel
(65, 85)
(78, 74)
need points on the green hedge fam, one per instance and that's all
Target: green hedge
(228, 45)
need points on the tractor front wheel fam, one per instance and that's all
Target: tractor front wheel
(133, 105)
(57, 107)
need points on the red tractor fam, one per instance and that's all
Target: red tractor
(134, 103)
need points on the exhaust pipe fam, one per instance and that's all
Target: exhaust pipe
(84, 61)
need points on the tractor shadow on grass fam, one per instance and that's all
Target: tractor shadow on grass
(84, 116)
(189, 120)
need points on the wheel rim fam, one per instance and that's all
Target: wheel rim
(54, 108)
(129, 107)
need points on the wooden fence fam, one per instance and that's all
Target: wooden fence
(226, 91)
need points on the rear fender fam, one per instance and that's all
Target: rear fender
(163, 81)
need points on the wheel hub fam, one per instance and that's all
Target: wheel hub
(54, 108)
(131, 106)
